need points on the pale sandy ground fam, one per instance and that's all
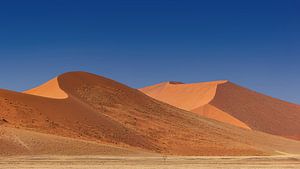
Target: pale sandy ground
(87, 162)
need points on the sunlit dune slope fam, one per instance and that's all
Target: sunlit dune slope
(106, 112)
(50, 89)
(233, 104)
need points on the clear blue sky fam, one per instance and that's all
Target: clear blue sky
(255, 43)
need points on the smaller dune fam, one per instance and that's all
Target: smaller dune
(193, 97)
(229, 103)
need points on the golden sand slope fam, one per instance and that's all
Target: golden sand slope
(230, 103)
(50, 89)
(103, 111)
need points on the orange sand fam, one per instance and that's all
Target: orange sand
(184, 96)
(230, 103)
(50, 89)
(192, 97)
(217, 114)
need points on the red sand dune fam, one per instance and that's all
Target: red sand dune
(233, 104)
(86, 109)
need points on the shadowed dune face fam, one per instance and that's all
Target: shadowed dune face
(230, 103)
(258, 111)
(103, 111)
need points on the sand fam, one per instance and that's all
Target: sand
(213, 112)
(23, 142)
(229, 103)
(193, 97)
(258, 111)
(184, 96)
(49, 89)
(109, 162)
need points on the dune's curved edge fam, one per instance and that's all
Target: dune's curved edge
(50, 89)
